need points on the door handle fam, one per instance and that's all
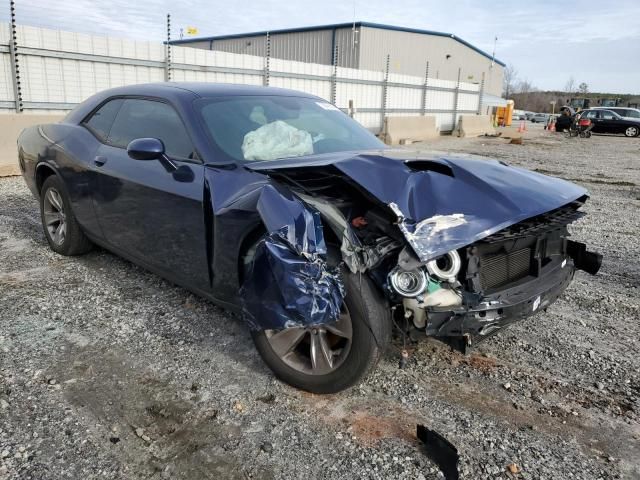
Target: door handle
(100, 160)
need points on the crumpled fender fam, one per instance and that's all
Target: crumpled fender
(289, 282)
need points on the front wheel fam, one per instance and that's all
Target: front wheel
(330, 358)
(632, 132)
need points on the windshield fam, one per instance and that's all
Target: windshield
(251, 128)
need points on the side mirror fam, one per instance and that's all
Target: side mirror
(146, 149)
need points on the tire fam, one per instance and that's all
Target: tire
(371, 334)
(587, 134)
(632, 131)
(58, 221)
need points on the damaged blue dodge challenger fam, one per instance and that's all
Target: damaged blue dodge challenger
(275, 204)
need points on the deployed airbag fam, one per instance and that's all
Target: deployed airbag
(276, 140)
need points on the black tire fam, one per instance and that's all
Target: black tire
(74, 241)
(632, 131)
(371, 326)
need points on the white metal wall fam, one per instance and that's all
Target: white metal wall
(59, 69)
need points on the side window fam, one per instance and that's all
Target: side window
(592, 114)
(150, 119)
(607, 115)
(628, 113)
(101, 120)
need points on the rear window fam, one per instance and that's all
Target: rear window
(628, 113)
(101, 120)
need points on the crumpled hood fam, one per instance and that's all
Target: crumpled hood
(446, 202)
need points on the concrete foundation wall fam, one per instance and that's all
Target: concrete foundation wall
(412, 129)
(474, 126)
(11, 125)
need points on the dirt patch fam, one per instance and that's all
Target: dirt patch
(159, 427)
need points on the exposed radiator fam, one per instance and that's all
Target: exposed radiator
(501, 269)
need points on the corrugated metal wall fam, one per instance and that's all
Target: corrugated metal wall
(410, 52)
(314, 46)
(60, 69)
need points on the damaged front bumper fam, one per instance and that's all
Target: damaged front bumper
(495, 311)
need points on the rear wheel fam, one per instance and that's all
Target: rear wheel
(330, 358)
(60, 225)
(632, 131)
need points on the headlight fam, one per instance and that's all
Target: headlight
(408, 283)
(445, 267)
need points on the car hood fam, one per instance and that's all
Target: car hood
(442, 202)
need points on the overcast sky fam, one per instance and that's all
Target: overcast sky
(547, 41)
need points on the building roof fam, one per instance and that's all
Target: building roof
(337, 26)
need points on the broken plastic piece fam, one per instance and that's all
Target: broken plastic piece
(441, 451)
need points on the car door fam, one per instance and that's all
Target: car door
(611, 123)
(145, 208)
(594, 116)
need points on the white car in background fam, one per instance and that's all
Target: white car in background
(632, 113)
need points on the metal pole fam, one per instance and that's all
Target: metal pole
(167, 50)
(334, 76)
(481, 95)
(15, 65)
(385, 84)
(424, 90)
(267, 61)
(456, 95)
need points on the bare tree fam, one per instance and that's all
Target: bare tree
(570, 86)
(583, 88)
(510, 80)
(524, 86)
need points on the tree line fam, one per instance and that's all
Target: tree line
(527, 97)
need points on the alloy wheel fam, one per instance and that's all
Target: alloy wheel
(631, 132)
(316, 350)
(54, 216)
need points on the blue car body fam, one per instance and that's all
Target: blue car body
(195, 224)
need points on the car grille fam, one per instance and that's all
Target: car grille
(500, 269)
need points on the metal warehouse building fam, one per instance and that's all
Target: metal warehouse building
(365, 46)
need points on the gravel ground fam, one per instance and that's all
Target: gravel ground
(107, 371)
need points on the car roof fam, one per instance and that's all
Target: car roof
(611, 108)
(179, 92)
(203, 89)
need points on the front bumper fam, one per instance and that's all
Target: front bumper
(502, 308)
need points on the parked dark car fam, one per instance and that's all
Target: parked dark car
(607, 121)
(275, 204)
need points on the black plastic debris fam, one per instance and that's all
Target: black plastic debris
(440, 451)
